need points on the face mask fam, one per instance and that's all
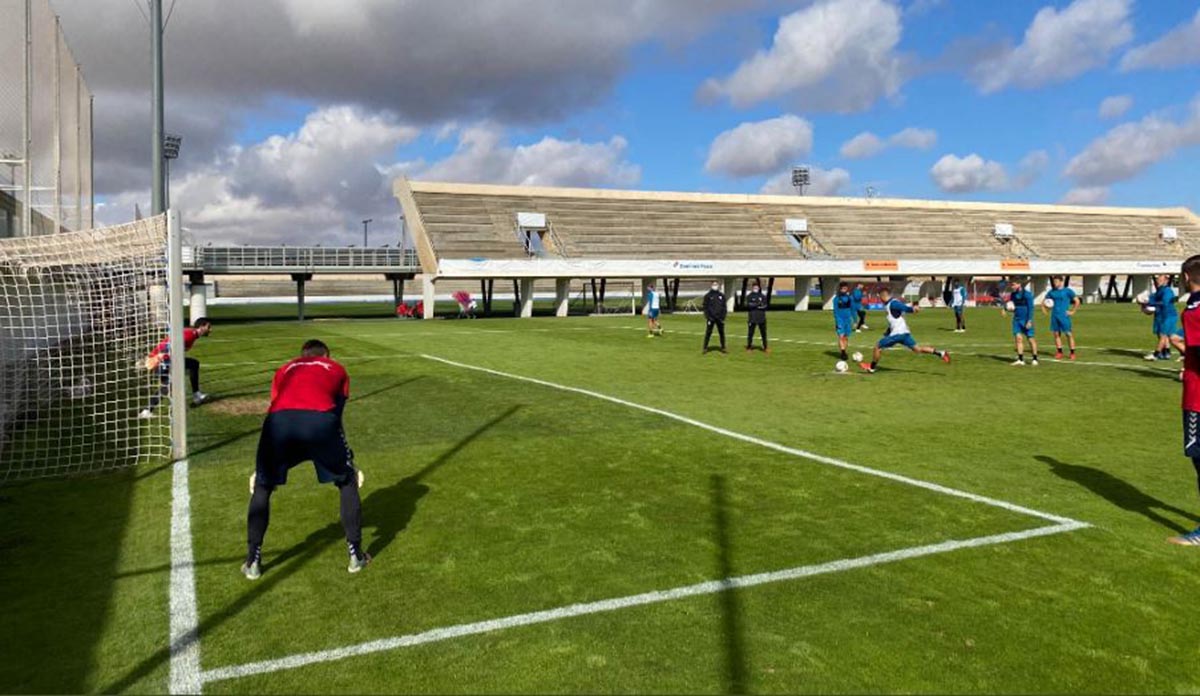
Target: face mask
(715, 287)
(755, 288)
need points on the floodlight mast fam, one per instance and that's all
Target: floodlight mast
(157, 200)
(171, 143)
(800, 178)
(365, 224)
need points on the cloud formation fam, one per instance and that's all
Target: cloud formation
(867, 144)
(954, 174)
(1130, 148)
(757, 147)
(834, 55)
(1058, 46)
(1087, 195)
(1180, 46)
(824, 182)
(1115, 106)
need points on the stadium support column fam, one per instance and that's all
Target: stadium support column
(428, 295)
(526, 298)
(829, 286)
(562, 296)
(300, 279)
(802, 285)
(730, 294)
(1140, 284)
(198, 305)
(1091, 289)
(397, 287)
(1041, 286)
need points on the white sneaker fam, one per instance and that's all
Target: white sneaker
(1018, 362)
(1033, 363)
(865, 327)
(146, 414)
(1150, 356)
(199, 398)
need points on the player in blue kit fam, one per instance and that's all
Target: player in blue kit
(858, 297)
(1166, 319)
(897, 332)
(1020, 303)
(1061, 303)
(844, 314)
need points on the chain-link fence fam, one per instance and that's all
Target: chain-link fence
(45, 125)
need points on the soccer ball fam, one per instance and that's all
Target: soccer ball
(858, 357)
(1048, 303)
(1149, 309)
(841, 366)
(1010, 306)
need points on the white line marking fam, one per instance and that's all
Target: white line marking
(805, 454)
(185, 677)
(617, 603)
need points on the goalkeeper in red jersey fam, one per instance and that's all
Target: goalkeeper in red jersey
(160, 360)
(304, 423)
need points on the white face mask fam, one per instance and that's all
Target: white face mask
(716, 287)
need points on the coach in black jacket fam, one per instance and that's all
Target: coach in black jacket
(714, 312)
(756, 302)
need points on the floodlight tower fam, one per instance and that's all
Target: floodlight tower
(800, 178)
(157, 199)
(366, 223)
(171, 143)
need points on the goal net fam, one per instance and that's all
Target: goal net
(620, 296)
(79, 312)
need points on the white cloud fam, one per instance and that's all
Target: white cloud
(867, 144)
(1115, 106)
(1030, 168)
(315, 184)
(483, 156)
(916, 138)
(835, 55)
(1180, 46)
(1088, 195)
(824, 182)
(1058, 46)
(1128, 149)
(861, 146)
(758, 147)
(954, 174)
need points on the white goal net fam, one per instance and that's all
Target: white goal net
(79, 312)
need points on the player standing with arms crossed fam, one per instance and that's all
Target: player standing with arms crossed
(756, 316)
(714, 314)
(1022, 323)
(1061, 302)
(304, 423)
(1191, 380)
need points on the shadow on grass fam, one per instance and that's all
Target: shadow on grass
(1116, 491)
(1152, 373)
(1126, 352)
(60, 545)
(731, 613)
(393, 507)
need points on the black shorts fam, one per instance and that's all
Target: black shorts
(1191, 434)
(292, 437)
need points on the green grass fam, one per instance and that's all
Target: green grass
(488, 497)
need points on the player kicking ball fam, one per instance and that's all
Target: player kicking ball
(1061, 303)
(897, 332)
(304, 423)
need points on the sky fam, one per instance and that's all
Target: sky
(296, 115)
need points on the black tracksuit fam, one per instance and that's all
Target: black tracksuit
(714, 312)
(756, 303)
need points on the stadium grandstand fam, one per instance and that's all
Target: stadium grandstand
(485, 232)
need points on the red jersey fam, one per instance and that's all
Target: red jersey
(1191, 361)
(189, 337)
(310, 384)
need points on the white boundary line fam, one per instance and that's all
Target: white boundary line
(608, 605)
(805, 454)
(1061, 525)
(185, 677)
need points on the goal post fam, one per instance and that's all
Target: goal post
(79, 313)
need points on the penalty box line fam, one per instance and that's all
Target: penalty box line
(609, 605)
(1061, 525)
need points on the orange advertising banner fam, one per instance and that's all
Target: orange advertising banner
(876, 266)
(1014, 265)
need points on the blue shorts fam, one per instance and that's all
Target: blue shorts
(903, 339)
(653, 313)
(1020, 330)
(1166, 327)
(958, 310)
(1060, 324)
(844, 325)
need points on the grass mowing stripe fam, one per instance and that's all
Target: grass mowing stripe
(805, 454)
(617, 603)
(185, 643)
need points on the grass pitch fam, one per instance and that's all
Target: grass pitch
(489, 497)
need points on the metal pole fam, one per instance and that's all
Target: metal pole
(78, 150)
(167, 184)
(58, 220)
(27, 209)
(157, 199)
(175, 336)
(91, 135)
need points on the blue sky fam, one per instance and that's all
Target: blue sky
(661, 94)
